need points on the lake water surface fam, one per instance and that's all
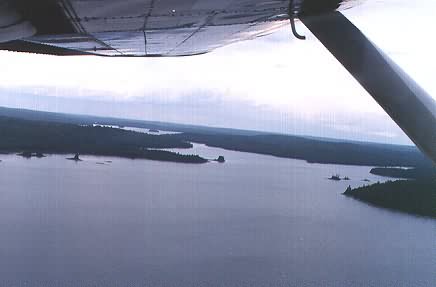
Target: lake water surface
(253, 221)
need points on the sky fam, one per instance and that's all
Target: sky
(263, 84)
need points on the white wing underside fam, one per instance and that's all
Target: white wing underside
(162, 27)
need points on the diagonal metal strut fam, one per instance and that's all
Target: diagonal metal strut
(401, 97)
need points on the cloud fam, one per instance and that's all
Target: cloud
(274, 83)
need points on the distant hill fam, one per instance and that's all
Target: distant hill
(87, 120)
(314, 150)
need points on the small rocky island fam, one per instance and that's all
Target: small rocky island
(75, 158)
(337, 177)
(220, 159)
(29, 154)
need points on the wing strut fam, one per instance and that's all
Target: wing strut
(401, 97)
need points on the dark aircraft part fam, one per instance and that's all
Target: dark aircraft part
(37, 48)
(294, 30)
(294, 10)
(314, 7)
(47, 16)
(402, 98)
(149, 28)
(12, 24)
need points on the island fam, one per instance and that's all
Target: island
(335, 177)
(26, 136)
(75, 158)
(220, 159)
(29, 154)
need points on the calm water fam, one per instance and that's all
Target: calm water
(253, 221)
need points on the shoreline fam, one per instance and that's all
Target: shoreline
(409, 196)
(154, 155)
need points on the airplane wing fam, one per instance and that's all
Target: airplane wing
(138, 27)
(150, 28)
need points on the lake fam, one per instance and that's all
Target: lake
(253, 221)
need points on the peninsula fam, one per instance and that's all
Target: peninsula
(416, 195)
(35, 138)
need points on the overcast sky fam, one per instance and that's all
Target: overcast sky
(263, 84)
